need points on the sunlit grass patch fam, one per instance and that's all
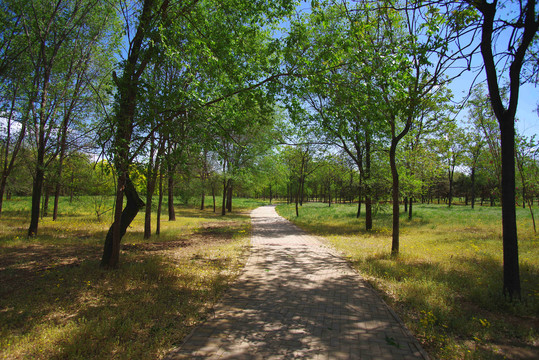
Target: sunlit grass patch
(446, 283)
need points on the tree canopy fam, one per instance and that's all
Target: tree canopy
(350, 100)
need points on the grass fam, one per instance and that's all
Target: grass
(446, 283)
(56, 303)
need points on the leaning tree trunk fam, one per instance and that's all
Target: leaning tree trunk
(132, 207)
(223, 206)
(128, 90)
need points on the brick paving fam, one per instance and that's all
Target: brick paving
(297, 299)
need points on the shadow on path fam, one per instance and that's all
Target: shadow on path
(298, 299)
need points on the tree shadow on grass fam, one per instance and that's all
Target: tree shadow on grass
(134, 312)
(459, 296)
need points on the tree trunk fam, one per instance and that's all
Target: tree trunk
(511, 272)
(46, 197)
(297, 201)
(171, 212)
(36, 192)
(530, 204)
(302, 181)
(411, 201)
(150, 187)
(223, 206)
(368, 198)
(450, 187)
(148, 214)
(3, 182)
(40, 164)
(473, 187)
(132, 207)
(395, 197)
(159, 203)
(359, 196)
(63, 148)
(405, 205)
(151, 180)
(56, 198)
(329, 197)
(128, 90)
(229, 196)
(213, 195)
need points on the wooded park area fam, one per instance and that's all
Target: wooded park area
(191, 107)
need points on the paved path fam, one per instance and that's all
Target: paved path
(297, 299)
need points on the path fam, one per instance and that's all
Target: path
(298, 299)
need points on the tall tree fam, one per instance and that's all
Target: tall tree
(139, 54)
(507, 66)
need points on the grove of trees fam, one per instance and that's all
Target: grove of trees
(348, 101)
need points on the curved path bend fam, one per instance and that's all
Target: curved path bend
(297, 299)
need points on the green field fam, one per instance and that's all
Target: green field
(446, 283)
(56, 303)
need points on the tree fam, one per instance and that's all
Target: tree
(138, 57)
(416, 76)
(517, 58)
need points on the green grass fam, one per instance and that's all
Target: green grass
(446, 283)
(56, 303)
